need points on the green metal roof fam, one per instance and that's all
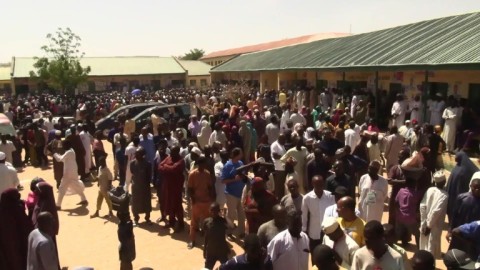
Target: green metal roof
(437, 43)
(5, 73)
(109, 66)
(195, 68)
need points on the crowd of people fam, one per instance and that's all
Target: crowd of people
(290, 174)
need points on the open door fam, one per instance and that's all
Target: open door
(474, 97)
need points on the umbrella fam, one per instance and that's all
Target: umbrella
(136, 92)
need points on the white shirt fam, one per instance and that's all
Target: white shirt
(276, 148)
(315, 208)
(289, 253)
(372, 197)
(70, 169)
(297, 118)
(345, 248)
(272, 132)
(364, 260)
(130, 153)
(331, 211)
(42, 254)
(8, 149)
(9, 178)
(351, 138)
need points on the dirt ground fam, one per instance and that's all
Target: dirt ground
(83, 241)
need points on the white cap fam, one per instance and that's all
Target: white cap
(439, 176)
(2, 156)
(196, 150)
(58, 132)
(329, 225)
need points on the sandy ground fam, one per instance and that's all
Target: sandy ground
(93, 242)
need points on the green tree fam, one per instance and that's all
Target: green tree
(60, 68)
(194, 54)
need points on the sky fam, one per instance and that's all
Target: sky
(164, 28)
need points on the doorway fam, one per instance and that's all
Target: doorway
(474, 97)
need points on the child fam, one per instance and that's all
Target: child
(215, 248)
(126, 249)
(105, 179)
(406, 217)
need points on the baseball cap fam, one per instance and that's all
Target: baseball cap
(458, 259)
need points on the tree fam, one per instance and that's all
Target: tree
(193, 54)
(60, 68)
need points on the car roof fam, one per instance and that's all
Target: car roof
(158, 106)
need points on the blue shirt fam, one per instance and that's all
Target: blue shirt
(472, 231)
(229, 171)
(149, 147)
(240, 263)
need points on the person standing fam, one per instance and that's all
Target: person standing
(289, 248)
(9, 175)
(141, 196)
(348, 220)
(415, 108)
(393, 145)
(172, 169)
(70, 175)
(270, 229)
(376, 254)
(126, 250)
(78, 150)
(277, 148)
(450, 127)
(255, 257)
(433, 209)
(105, 178)
(272, 130)
(373, 192)
(42, 252)
(87, 141)
(340, 179)
(202, 194)
(341, 243)
(56, 147)
(352, 138)
(215, 247)
(219, 185)
(15, 226)
(466, 210)
(398, 111)
(7, 147)
(234, 188)
(130, 156)
(313, 210)
(294, 199)
(298, 153)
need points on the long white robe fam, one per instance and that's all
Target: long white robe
(436, 110)
(433, 209)
(398, 108)
(70, 176)
(416, 111)
(450, 127)
(87, 141)
(393, 145)
(372, 197)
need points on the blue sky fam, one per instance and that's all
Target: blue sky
(158, 27)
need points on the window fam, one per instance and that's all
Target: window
(203, 82)
(193, 82)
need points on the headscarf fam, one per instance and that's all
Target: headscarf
(204, 134)
(46, 203)
(459, 179)
(253, 133)
(14, 230)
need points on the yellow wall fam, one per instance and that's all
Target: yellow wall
(197, 80)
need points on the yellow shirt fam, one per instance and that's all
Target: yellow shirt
(354, 229)
(282, 97)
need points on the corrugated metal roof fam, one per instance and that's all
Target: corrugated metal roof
(107, 66)
(445, 41)
(196, 68)
(273, 44)
(5, 73)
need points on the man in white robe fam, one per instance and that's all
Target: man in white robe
(450, 127)
(415, 108)
(285, 117)
(433, 209)
(393, 145)
(70, 175)
(87, 141)
(436, 110)
(326, 100)
(373, 192)
(398, 111)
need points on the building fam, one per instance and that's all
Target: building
(112, 73)
(5, 78)
(198, 73)
(425, 58)
(219, 57)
